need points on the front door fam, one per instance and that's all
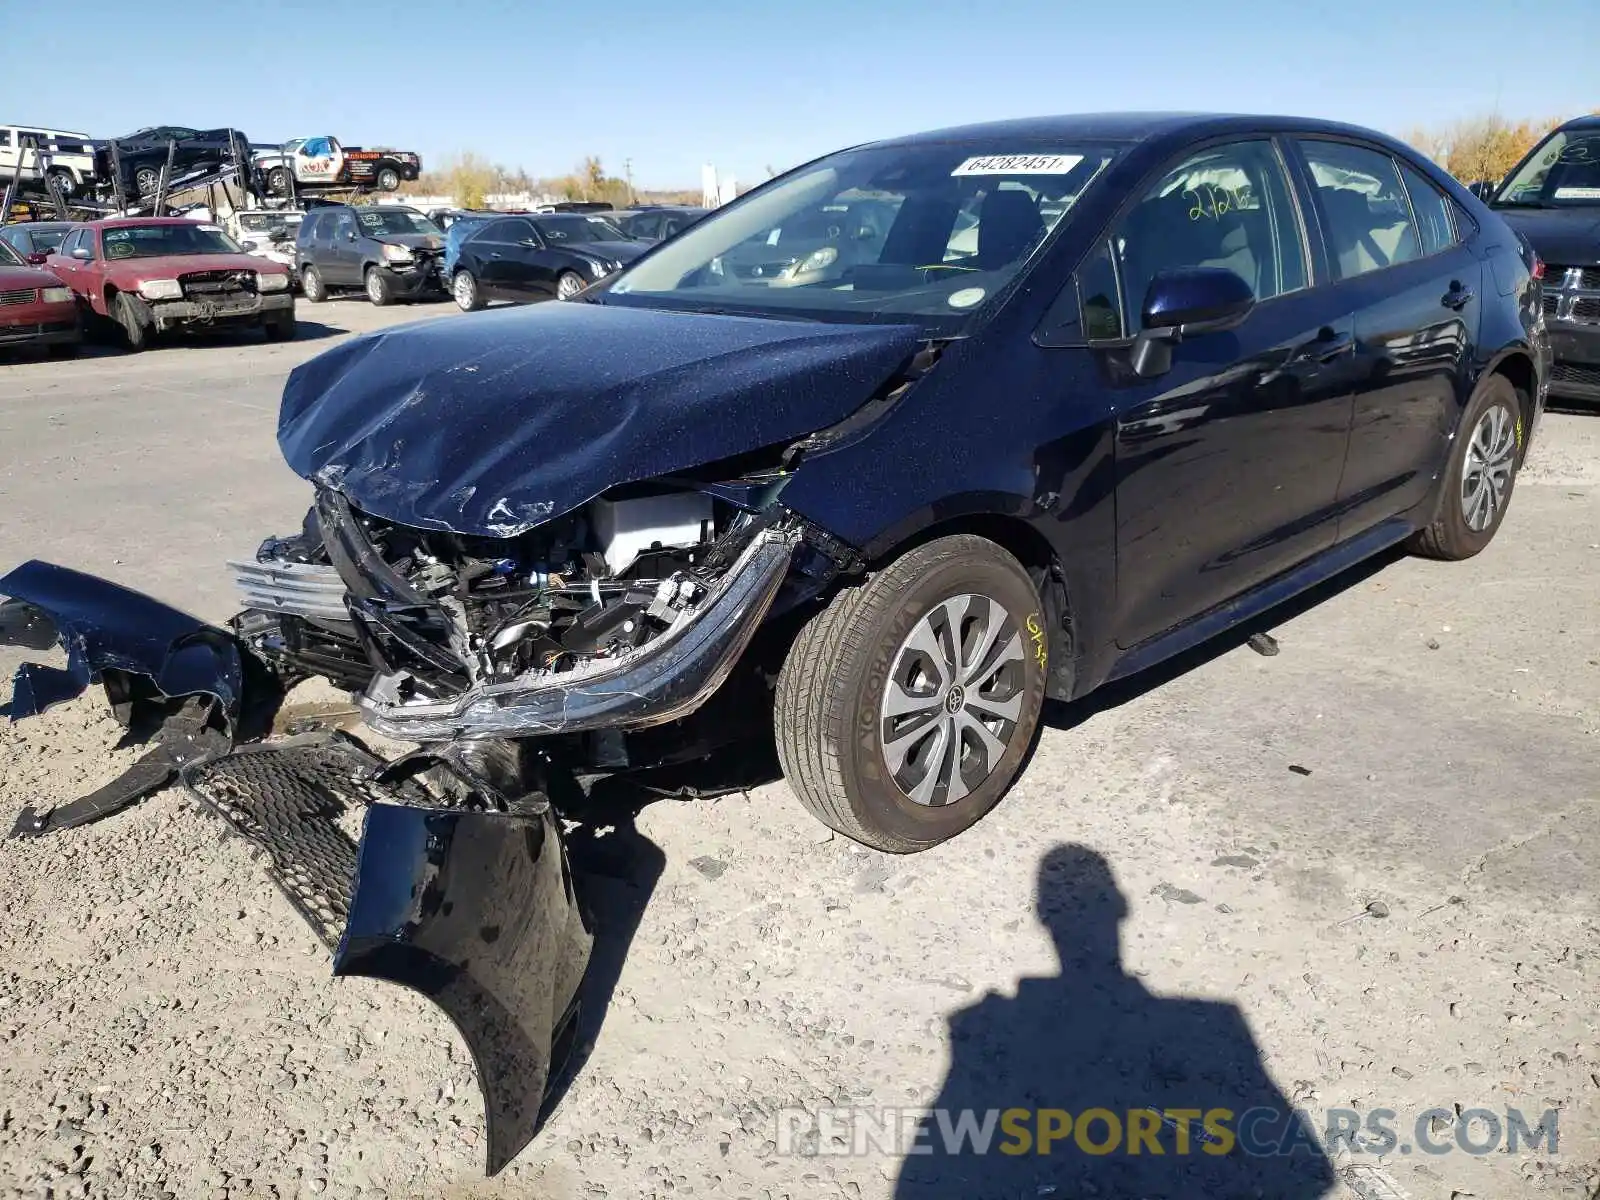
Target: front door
(343, 254)
(1228, 464)
(1414, 287)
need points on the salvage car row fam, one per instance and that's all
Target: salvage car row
(137, 277)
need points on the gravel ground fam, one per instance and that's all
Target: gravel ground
(1371, 853)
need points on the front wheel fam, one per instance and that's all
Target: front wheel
(379, 290)
(1483, 470)
(135, 331)
(278, 181)
(281, 330)
(465, 289)
(569, 285)
(906, 708)
(147, 180)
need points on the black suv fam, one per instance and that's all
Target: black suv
(390, 253)
(141, 155)
(1552, 198)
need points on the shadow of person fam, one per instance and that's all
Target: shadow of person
(1112, 1090)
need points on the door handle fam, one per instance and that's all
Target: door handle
(1457, 297)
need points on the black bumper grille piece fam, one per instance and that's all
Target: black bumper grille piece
(287, 799)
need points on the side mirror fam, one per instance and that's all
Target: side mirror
(1187, 302)
(247, 247)
(81, 253)
(37, 260)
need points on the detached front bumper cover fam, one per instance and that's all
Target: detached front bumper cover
(473, 909)
(160, 668)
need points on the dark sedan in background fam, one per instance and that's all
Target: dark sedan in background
(547, 256)
(1552, 198)
(142, 154)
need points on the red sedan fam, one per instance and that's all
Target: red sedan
(36, 308)
(151, 274)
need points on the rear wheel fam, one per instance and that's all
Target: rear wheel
(465, 290)
(135, 330)
(1483, 470)
(388, 179)
(379, 290)
(311, 283)
(906, 708)
(60, 183)
(569, 285)
(278, 181)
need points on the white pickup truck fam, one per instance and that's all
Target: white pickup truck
(315, 163)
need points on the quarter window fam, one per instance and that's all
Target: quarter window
(1364, 209)
(1431, 210)
(1227, 206)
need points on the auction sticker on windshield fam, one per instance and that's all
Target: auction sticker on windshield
(1019, 164)
(1577, 193)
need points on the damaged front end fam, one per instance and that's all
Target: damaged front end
(536, 574)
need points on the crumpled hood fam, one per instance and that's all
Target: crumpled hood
(1567, 237)
(493, 424)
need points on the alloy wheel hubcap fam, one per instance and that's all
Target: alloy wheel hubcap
(568, 287)
(463, 289)
(1486, 474)
(374, 286)
(952, 700)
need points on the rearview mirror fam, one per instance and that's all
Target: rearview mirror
(1187, 302)
(1481, 188)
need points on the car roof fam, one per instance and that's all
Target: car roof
(1591, 121)
(1125, 127)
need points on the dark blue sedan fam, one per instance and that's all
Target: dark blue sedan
(877, 457)
(928, 430)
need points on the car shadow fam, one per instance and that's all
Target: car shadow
(1091, 1084)
(1065, 715)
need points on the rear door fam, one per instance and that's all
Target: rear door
(1227, 465)
(1415, 288)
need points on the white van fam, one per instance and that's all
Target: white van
(69, 156)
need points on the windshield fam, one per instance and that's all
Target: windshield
(153, 241)
(934, 230)
(382, 222)
(9, 257)
(268, 221)
(1564, 171)
(568, 228)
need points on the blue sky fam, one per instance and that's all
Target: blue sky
(675, 83)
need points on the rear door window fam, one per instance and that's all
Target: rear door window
(1431, 208)
(1364, 208)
